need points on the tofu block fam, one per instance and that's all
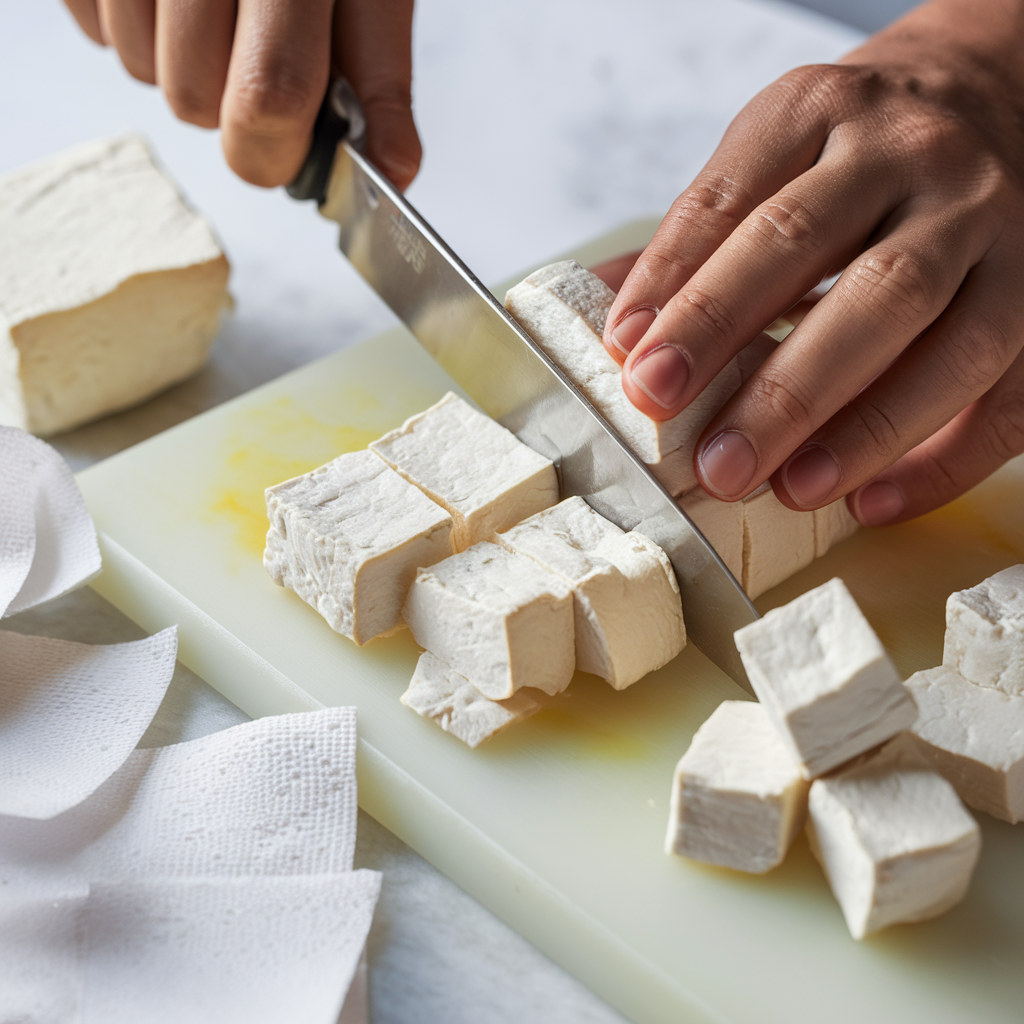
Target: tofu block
(721, 522)
(626, 604)
(497, 618)
(738, 798)
(985, 632)
(973, 736)
(348, 539)
(485, 477)
(825, 679)
(111, 286)
(896, 843)
(777, 542)
(832, 524)
(563, 308)
(439, 693)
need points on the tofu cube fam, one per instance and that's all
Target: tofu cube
(985, 632)
(348, 539)
(973, 736)
(721, 522)
(485, 477)
(895, 842)
(832, 524)
(626, 603)
(439, 693)
(825, 679)
(777, 542)
(738, 798)
(497, 618)
(111, 286)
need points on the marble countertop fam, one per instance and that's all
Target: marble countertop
(582, 115)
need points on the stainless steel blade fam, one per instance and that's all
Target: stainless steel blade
(504, 371)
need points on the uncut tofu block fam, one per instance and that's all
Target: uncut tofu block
(832, 524)
(348, 539)
(563, 308)
(497, 618)
(777, 542)
(985, 632)
(973, 736)
(738, 798)
(439, 693)
(825, 679)
(472, 466)
(721, 522)
(896, 843)
(627, 608)
(111, 287)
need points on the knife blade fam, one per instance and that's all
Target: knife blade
(457, 319)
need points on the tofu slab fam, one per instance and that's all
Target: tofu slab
(627, 609)
(973, 736)
(348, 539)
(832, 524)
(111, 287)
(721, 522)
(825, 679)
(485, 477)
(985, 632)
(896, 843)
(439, 693)
(777, 542)
(497, 618)
(738, 797)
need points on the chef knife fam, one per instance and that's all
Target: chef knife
(505, 372)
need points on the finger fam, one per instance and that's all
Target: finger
(884, 299)
(193, 47)
(373, 49)
(277, 78)
(961, 359)
(975, 444)
(88, 18)
(614, 272)
(779, 252)
(129, 26)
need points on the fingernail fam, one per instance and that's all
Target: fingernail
(662, 375)
(728, 464)
(632, 327)
(878, 503)
(811, 476)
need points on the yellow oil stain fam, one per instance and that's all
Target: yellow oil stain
(560, 726)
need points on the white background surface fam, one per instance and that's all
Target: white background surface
(545, 123)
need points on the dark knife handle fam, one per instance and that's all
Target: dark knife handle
(340, 118)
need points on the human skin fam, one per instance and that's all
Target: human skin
(259, 69)
(904, 164)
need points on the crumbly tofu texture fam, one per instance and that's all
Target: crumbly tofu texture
(563, 308)
(974, 737)
(627, 609)
(896, 843)
(777, 542)
(111, 287)
(497, 618)
(348, 539)
(439, 693)
(472, 466)
(738, 797)
(985, 632)
(824, 677)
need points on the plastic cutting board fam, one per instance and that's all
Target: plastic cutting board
(557, 825)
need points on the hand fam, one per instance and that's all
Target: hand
(904, 385)
(259, 70)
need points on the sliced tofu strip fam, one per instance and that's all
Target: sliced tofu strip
(111, 287)
(825, 679)
(439, 693)
(348, 539)
(472, 466)
(896, 843)
(985, 632)
(497, 618)
(628, 612)
(974, 737)
(832, 524)
(777, 542)
(721, 522)
(738, 797)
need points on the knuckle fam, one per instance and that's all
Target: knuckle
(904, 288)
(823, 87)
(1005, 436)
(786, 400)
(873, 422)
(712, 316)
(713, 196)
(789, 224)
(976, 351)
(270, 98)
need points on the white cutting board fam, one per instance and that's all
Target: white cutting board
(557, 825)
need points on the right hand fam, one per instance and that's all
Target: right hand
(259, 69)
